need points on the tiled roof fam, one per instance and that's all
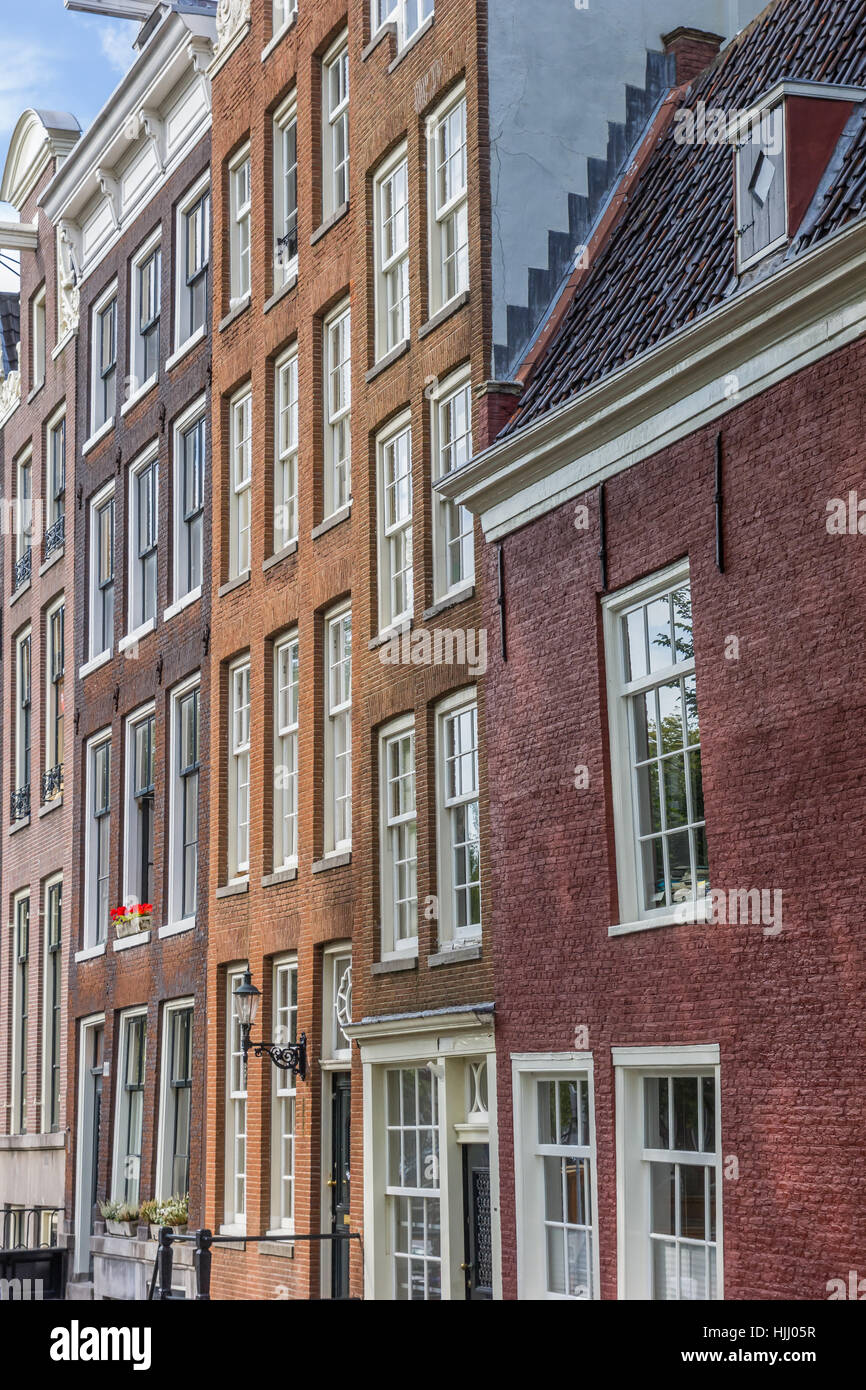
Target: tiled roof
(671, 257)
(10, 331)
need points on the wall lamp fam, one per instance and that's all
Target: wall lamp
(289, 1056)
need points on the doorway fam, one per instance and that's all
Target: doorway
(478, 1250)
(91, 1066)
(338, 1183)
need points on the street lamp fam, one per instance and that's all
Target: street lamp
(289, 1056)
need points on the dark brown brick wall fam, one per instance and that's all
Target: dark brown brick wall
(174, 967)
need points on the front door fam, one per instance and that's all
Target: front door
(339, 1184)
(478, 1258)
(92, 1038)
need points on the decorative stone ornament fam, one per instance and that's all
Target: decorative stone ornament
(10, 391)
(232, 15)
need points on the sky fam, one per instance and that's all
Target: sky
(57, 60)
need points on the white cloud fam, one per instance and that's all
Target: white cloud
(27, 70)
(115, 40)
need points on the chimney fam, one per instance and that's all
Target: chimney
(693, 50)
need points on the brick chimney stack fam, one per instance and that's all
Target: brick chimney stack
(693, 50)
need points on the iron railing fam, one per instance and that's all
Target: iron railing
(22, 569)
(52, 783)
(19, 803)
(203, 1241)
(23, 1228)
(55, 536)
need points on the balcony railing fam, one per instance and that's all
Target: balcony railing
(20, 803)
(55, 536)
(29, 1228)
(52, 783)
(22, 568)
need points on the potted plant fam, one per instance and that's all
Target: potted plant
(110, 1211)
(132, 918)
(175, 1213)
(149, 1212)
(127, 1220)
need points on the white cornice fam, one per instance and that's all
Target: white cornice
(39, 137)
(132, 117)
(435, 1022)
(18, 236)
(810, 308)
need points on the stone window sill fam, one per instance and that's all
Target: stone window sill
(98, 435)
(233, 890)
(450, 601)
(393, 967)
(329, 223)
(459, 956)
(452, 307)
(138, 396)
(94, 664)
(90, 953)
(192, 341)
(332, 861)
(416, 38)
(233, 584)
(279, 556)
(281, 293)
(388, 360)
(278, 37)
(126, 943)
(52, 560)
(180, 604)
(235, 312)
(280, 876)
(331, 521)
(19, 593)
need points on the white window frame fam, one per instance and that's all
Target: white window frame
(23, 676)
(398, 12)
(239, 752)
(285, 12)
(286, 449)
(24, 505)
(93, 934)
(286, 750)
(235, 1126)
(121, 1107)
(335, 125)
(336, 990)
(240, 228)
(529, 1179)
(185, 331)
(394, 523)
(453, 525)
(337, 395)
(450, 935)
(633, 916)
(397, 1194)
(391, 223)
(285, 211)
(631, 1065)
(39, 337)
(283, 1097)
(396, 946)
(132, 845)
(55, 730)
(240, 482)
(53, 1006)
(182, 592)
(102, 498)
(20, 1019)
(55, 496)
(178, 919)
(338, 736)
(452, 212)
(101, 419)
(139, 383)
(165, 1188)
(138, 621)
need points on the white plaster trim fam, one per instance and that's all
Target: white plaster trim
(175, 928)
(139, 394)
(90, 953)
(125, 943)
(796, 317)
(192, 341)
(136, 635)
(94, 664)
(180, 604)
(90, 444)
(690, 1055)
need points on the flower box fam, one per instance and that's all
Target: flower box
(129, 921)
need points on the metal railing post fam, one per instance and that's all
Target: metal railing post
(164, 1262)
(202, 1262)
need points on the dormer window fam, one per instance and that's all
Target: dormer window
(784, 144)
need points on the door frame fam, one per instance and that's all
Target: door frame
(329, 1070)
(81, 1257)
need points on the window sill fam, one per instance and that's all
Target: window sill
(389, 633)
(456, 956)
(235, 311)
(387, 30)
(331, 521)
(94, 664)
(139, 395)
(35, 392)
(19, 593)
(137, 635)
(55, 352)
(450, 601)
(233, 584)
(90, 953)
(280, 876)
(397, 964)
(388, 360)
(192, 341)
(280, 555)
(19, 825)
(96, 438)
(126, 943)
(53, 805)
(442, 315)
(278, 37)
(416, 38)
(240, 1232)
(180, 604)
(233, 890)
(283, 1249)
(52, 560)
(687, 915)
(339, 859)
(328, 223)
(175, 928)
(281, 293)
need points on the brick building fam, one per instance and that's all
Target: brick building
(132, 204)
(391, 228)
(37, 427)
(677, 818)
